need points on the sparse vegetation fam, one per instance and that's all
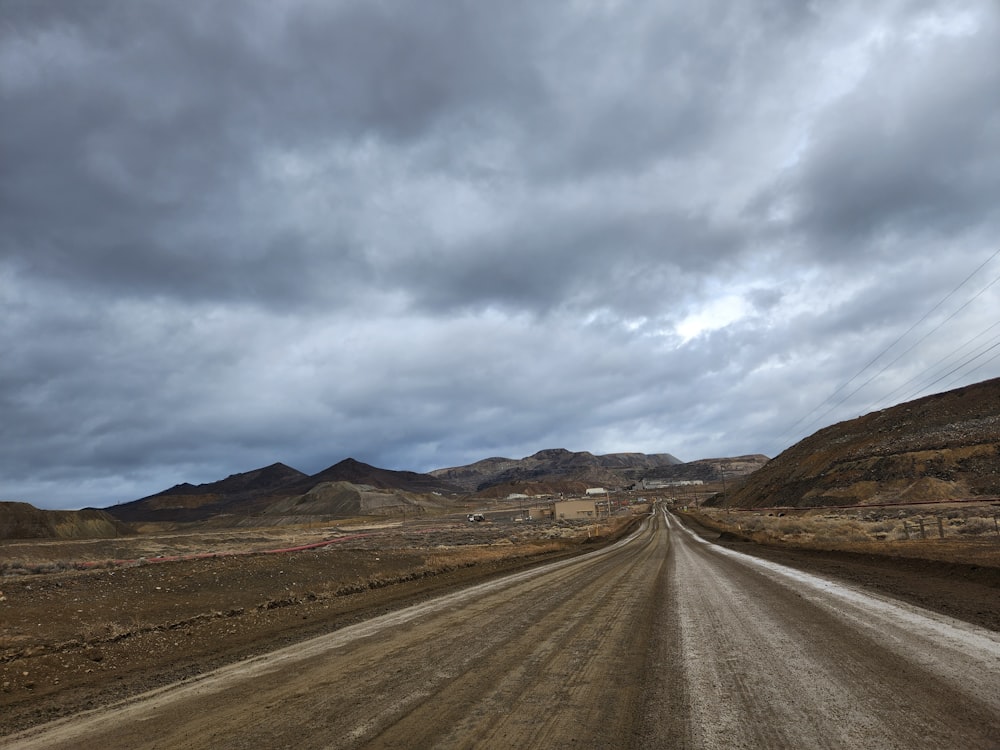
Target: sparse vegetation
(967, 532)
(977, 526)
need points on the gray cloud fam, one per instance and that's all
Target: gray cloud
(912, 149)
(239, 233)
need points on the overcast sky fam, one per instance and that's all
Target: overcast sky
(425, 233)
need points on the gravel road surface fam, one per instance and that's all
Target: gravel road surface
(661, 640)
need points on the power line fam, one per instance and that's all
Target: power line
(894, 343)
(907, 351)
(978, 367)
(923, 372)
(959, 367)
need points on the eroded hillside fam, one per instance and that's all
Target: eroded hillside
(941, 447)
(24, 521)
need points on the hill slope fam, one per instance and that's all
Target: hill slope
(356, 472)
(938, 447)
(281, 491)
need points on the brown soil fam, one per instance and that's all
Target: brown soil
(76, 639)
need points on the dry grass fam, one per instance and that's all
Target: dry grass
(476, 554)
(967, 533)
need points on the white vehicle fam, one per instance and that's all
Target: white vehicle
(477, 517)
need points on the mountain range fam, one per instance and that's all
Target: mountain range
(281, 494)
(553, 464)
(943, 446)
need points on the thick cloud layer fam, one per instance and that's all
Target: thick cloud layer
(423, 234)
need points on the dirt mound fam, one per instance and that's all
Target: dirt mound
(327, 498)
(939, 447)
(24, 521)
(730, 536)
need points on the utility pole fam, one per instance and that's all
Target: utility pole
(725, 494)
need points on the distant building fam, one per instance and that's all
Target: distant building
(574, 509)
(596, 491)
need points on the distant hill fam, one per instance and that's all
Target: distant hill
(329, 500)
(25, 521)
(709, 469)
(240, 499)
(273, 477)
(553, 467)
(357, 472)
(935, 448)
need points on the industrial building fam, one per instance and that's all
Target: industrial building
(573, 509)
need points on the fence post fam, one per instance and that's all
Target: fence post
(906, 529)
(940, 527)
(923, 533)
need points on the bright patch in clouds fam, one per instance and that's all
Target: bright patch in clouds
(718, 313)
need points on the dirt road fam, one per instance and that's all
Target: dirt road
(658, 641)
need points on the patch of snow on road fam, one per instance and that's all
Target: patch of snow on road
(870, 610)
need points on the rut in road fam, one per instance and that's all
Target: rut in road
(658, 641)
(545, 658)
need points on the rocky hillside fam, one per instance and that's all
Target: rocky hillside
(936, 448)
(24, 521)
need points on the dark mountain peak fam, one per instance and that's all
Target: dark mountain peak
(350, 462)
(358, 472)
(276, 473)
(267, 477)
(184, 488)
(348, 470)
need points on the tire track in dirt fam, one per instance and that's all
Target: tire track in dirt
(566, 652)
(352, 688)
